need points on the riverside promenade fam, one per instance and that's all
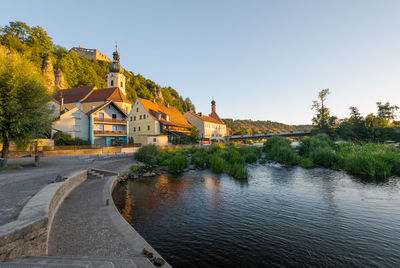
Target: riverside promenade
(19, 185)
(72, 222)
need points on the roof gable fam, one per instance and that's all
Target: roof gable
(72, 95)
(101, 107)
(107, 94)
(210, 118)
(161, 113)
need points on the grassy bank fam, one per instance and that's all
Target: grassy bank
(220, 158)
(370, 159)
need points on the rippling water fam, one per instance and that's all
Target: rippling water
(280, 216)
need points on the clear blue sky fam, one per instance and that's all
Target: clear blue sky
(261, 60)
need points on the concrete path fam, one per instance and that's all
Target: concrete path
(85, 225)
(18, 186)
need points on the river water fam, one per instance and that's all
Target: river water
(280, 216)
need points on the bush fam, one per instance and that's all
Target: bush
(150, 154)
(237, 171)
(62, 138)
(217, 164)
(263, 161)
(200, 159)
(306, 162)
(280, 150)
(310, 144)
(134, 167)
(177, 163)
(325, 157)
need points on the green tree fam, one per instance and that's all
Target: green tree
(386, 114)
(321, 119)
(24, 109)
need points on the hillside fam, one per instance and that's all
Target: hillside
(242, 127)
(66, 69)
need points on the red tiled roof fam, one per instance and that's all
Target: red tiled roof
(175, 117)
(210, 118)
(107, 94)
(72, 95)
(100, 107)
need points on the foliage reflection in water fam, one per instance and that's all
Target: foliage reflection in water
(281, 216)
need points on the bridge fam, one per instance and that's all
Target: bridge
(269, 135)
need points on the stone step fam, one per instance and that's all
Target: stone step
(44, 262)
(90, 262)
(35, 265)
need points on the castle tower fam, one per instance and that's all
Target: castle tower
(116, 78)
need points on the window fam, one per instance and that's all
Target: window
(101, 115)
(112, 83)
(101, 127)
(131, 118)
(134, 118)
(137, 110)
(140, 117)
(148, 127)
(76, 115)
(114, 116)
(144, 116)
(76, 128)
(154, 139)
(121, 84)
(114, 128)
(138, 128)
(134, 129)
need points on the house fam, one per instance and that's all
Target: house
(105, 109)
(154, 123)
(209, 127)
(107, 125)
(73, 122)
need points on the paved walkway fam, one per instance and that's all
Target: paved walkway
(18, 186)
(85, 225)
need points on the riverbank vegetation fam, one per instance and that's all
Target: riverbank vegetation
(220, 158)
(361, 159)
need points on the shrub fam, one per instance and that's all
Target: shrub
(237, 171)
(134, 167)
(217, 164)
(324, 156)
(306, 162)
(280, 150)
(263, 161)
(149, 154)
(62, 138)
(310, 144)
(177, 163)
(200, 159)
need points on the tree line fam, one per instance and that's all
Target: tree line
(378, 127)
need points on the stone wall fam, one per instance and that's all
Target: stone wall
(28, 235)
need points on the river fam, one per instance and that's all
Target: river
(280, 216)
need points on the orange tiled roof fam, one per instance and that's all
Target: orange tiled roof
(107, 94)
(175, 117)
(72, 95)
(210, 118)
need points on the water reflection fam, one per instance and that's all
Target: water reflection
(280, 216)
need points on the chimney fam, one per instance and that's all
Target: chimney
(167, 117)
(200, 114)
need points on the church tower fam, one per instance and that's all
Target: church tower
(116, 78)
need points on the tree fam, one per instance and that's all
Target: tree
(322, 118)
(24, 109)
(386, 114)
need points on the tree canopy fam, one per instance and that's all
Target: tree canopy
(24, 109)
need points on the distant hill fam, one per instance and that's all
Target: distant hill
(66, 69)
(243, 127)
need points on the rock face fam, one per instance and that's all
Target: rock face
(59, 80)
(48, 71)
(54, 77)
(158, 93)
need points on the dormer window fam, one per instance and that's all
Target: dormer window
(122, 84)
(112, 82)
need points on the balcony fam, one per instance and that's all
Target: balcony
(109, 133)
(110, 121)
